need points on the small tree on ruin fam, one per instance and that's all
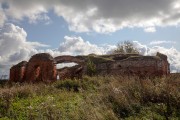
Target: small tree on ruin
(126, 47)
(91, 67)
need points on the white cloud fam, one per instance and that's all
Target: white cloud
(143, 49)
(161, 42)
(18, 10)
(101, 16)
(39, 17)
(150, 29)
(14, 47)
(78, 46)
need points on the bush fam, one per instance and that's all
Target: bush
(91, 68)
(68, 85)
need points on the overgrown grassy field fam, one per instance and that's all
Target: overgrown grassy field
(93, 98)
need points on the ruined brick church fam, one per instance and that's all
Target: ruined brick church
(42, 67)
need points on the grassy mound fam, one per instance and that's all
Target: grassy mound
(93, 98)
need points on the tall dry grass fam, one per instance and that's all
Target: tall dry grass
(94, 98)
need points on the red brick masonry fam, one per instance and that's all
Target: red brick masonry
(42, 67)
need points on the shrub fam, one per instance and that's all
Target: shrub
(68, 85)
(91, 67)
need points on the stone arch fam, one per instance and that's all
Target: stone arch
(70, 72)
(68, 58)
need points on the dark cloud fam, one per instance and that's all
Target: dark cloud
(100, 15)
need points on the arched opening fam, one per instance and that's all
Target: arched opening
(69, 67)
(69, 70)
(64, 69)
(63, 65)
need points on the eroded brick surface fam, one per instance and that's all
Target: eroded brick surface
(74, 72)
(17, 72)
(42, 67)
(136, 65)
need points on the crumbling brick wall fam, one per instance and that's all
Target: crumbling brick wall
(136, 65)
(163, 64)
(17, 72)
(74, 72)
(40, 68)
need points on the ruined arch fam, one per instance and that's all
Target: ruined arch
(41, 68)
(68, 58)
(70, 72)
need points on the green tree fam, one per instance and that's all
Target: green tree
(126, 47)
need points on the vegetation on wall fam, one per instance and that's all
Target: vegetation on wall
(91, 67)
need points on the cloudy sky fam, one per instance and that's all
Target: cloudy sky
(77, 27)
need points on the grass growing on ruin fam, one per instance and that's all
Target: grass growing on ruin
(93, 98)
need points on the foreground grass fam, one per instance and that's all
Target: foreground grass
(93, 98)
